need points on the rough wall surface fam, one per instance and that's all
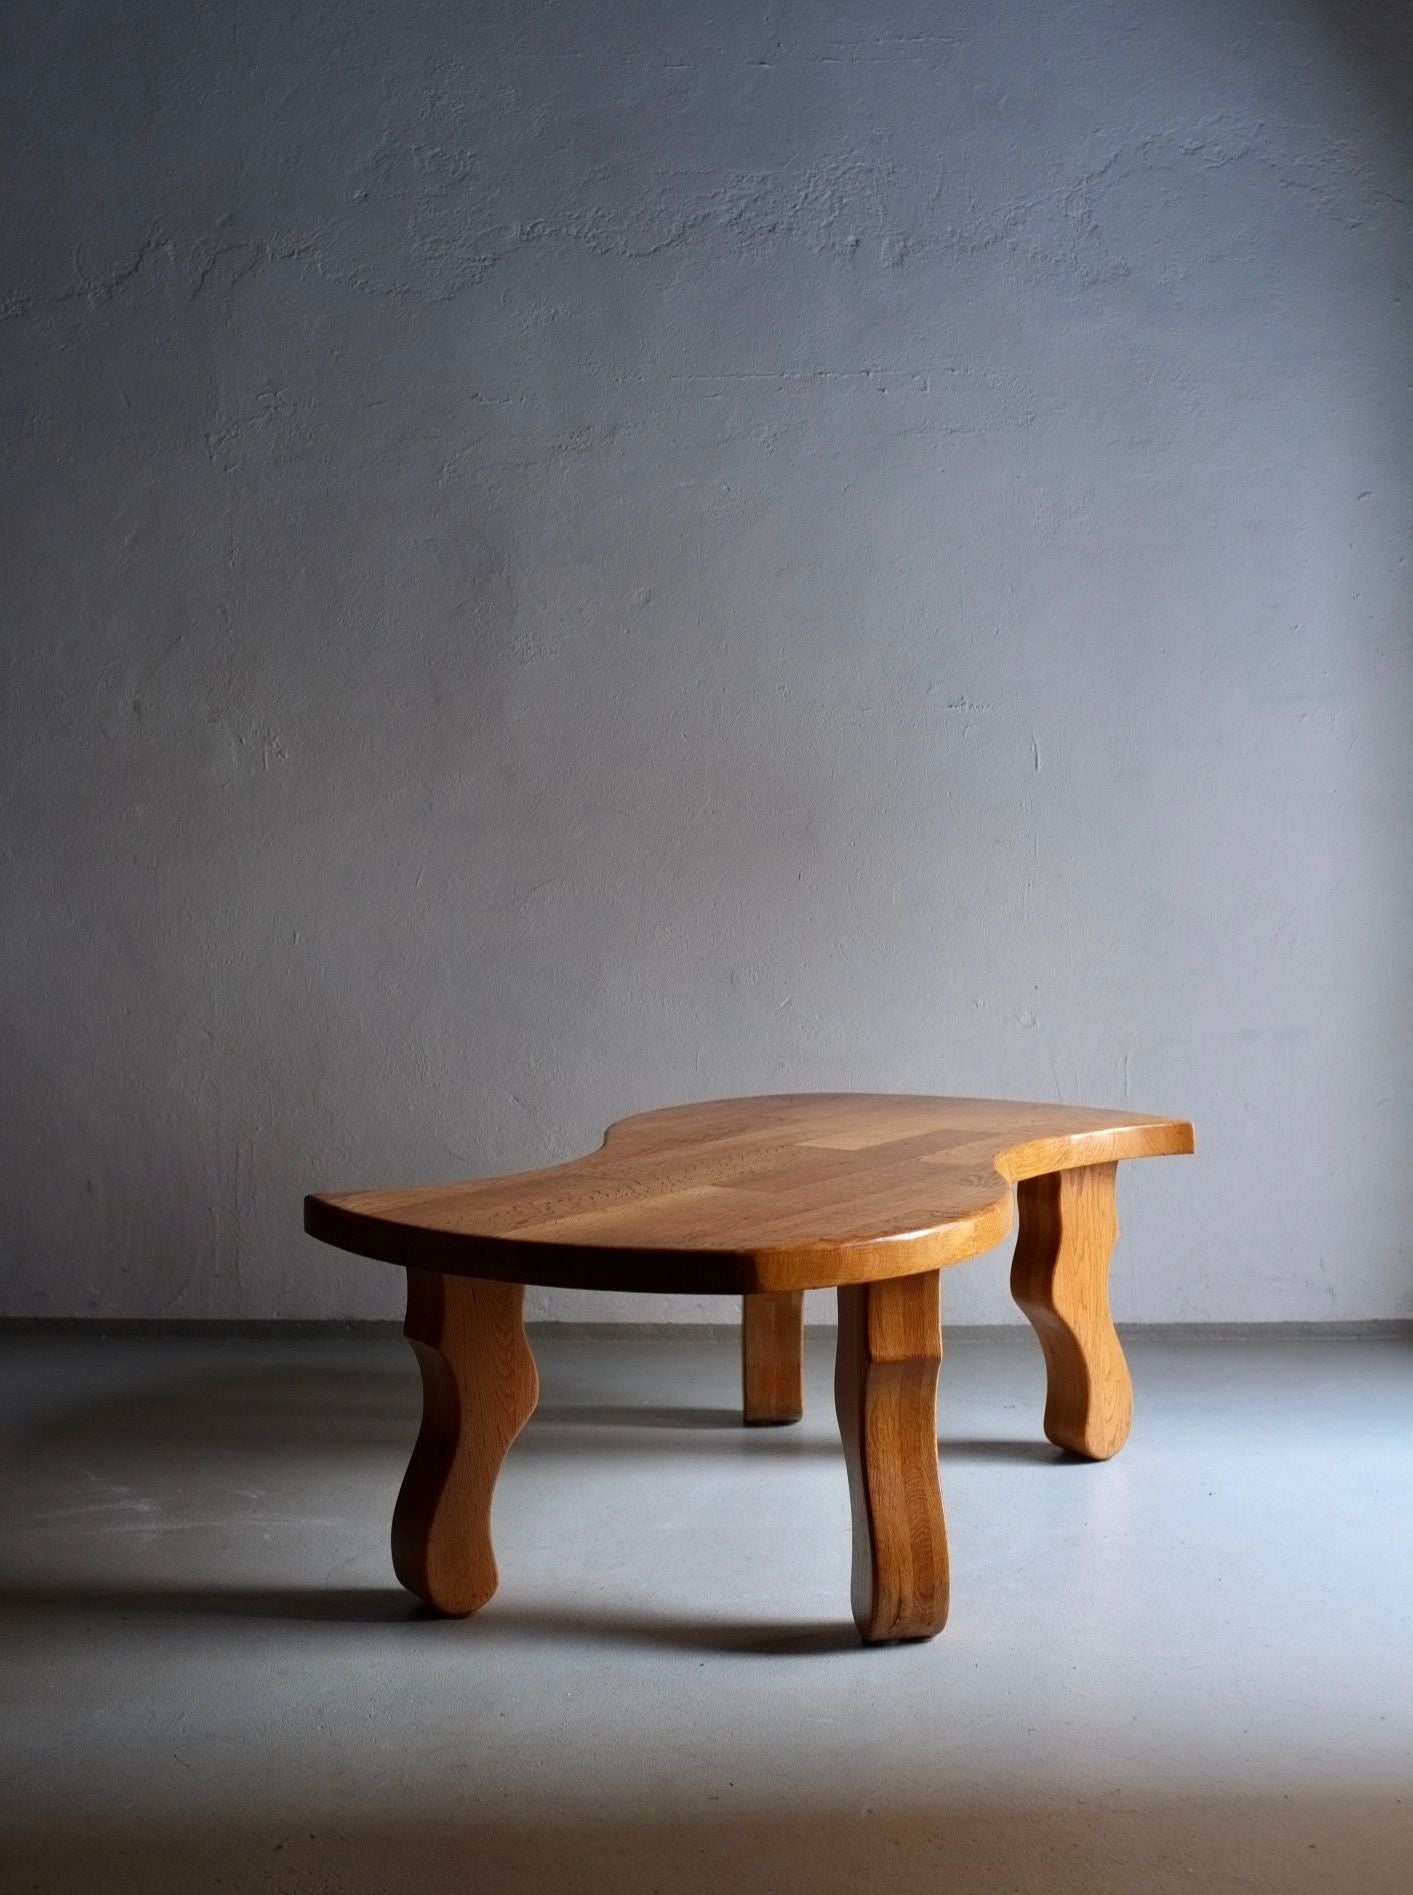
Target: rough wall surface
(567, 556)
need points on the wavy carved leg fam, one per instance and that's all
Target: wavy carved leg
(479, 1387)
(1060, 1278)
(885, 1391)
(772, 1357)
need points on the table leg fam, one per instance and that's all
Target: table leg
(885, 1391)
(479, 1388)
(1060, 1278)
(772, 1356)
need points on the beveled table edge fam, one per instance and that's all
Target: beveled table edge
(706, 1272)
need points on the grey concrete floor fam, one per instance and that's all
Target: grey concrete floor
(1190, 1669)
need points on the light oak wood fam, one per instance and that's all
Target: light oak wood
(773, 1357)
(765, 1198)
(885, 1393)
(1060, 1278)
(749, 1195)
(479, 1388)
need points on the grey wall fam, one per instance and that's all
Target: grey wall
(563, 557)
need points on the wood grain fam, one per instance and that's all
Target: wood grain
(1060, 1278)
(479, 1387)
(773, 1358)
(885, 1393)
(749, 1195)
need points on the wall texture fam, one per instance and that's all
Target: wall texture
(567, 556)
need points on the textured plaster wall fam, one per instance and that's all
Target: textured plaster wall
(562, 557)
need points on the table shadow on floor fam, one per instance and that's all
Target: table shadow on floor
(40, 1604)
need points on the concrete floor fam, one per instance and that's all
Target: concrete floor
(1189, 1670)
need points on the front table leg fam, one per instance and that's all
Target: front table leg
(1060, 1278)
(885, 1391)
(479, 1388)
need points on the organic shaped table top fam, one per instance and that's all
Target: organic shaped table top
(739, 1196)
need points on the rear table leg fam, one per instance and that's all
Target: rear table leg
(479, 1388)
(772, 1356)
(885, 1391)
(1060, 1278)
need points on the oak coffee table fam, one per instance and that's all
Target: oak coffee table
(870, 1194)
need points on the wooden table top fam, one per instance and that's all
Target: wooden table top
(741, 1195)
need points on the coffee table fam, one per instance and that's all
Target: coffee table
(873, 1195)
